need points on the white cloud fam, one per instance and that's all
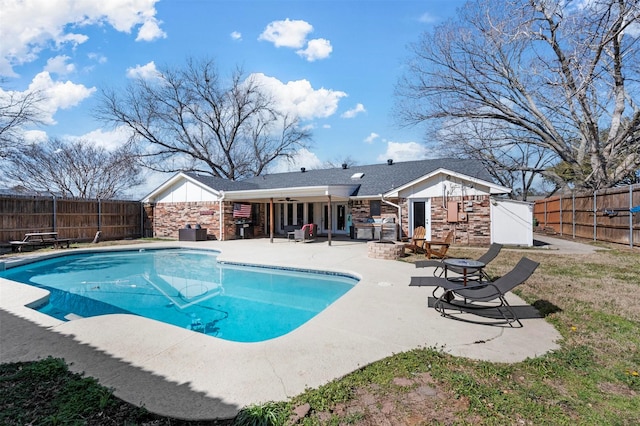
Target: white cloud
(37, 136)
(58, 65)
(236, 36)
(150, 30)
(427, 18)
(145, 72)
(287, 33)
(55, 95)
(372, 137)
(404, 151)
(300, 98)
(302, 158)
(326, 126)
(354, 111)
(293, 34)
(109, 140)
(31, 26)
(98, 57)
(318, 48)
(58, 95)
(633, 30)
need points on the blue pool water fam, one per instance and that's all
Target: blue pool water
(184, 287)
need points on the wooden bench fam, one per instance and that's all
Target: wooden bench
(39, 239)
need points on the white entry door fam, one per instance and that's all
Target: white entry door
(421, 215)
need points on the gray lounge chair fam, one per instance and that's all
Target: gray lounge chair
(480, 295)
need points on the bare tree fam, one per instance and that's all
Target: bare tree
(74, 169)
(192, 121)
(503, 152)
(17, 109)
(344, 162)
(555, 71)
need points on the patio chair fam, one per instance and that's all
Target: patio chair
(438, 249)
(306, 233)
(417, 240)
(483, 294)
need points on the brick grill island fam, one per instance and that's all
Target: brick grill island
(389, 250)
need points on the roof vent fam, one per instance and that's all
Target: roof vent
(302, 169)
(357, 176)
(344, 165)
(390, 161)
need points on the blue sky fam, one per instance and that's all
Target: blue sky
(335, 63)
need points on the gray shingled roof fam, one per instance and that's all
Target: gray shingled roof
(222, 184)
(377, 179)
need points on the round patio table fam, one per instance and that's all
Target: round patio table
(467, 266)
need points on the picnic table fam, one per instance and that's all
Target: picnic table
(39, 239)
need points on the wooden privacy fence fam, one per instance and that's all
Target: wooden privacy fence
(611, 215)
(78, 220)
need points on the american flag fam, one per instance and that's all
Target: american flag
(241, 210)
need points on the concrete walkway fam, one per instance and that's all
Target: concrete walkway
(175, 372)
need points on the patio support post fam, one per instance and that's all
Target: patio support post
(221, 236)
(271, 220)
(329, 219)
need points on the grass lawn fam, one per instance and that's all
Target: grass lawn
(593, 379)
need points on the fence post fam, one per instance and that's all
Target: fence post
(630, 216)
(99, 215)
(573, 214)
(141, 220)
(595, 218)
(55, 213)
(545, 213)
(561, 214)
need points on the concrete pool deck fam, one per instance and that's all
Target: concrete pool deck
(176, 372)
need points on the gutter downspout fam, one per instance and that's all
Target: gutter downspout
(399, 225)
(220, 213)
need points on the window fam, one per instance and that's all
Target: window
(281, 208)
(299, 213)
(289, 214)
(310, 213)
(419, 214)
(341, 217)
(374, 208)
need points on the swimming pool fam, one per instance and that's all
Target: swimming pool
(184, 287)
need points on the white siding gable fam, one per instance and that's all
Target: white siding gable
(184, 191)
(439, 186)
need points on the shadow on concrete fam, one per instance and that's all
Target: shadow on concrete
(521, 311)
(24, 341)
(538, 243)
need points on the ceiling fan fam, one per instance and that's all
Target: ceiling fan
(288, 199)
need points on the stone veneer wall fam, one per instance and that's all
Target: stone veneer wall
(169, 217)
(387, 251)
(475, 231)
(404, 221)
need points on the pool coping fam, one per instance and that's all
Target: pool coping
(379, 317)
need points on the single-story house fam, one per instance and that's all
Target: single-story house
(379, 201)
